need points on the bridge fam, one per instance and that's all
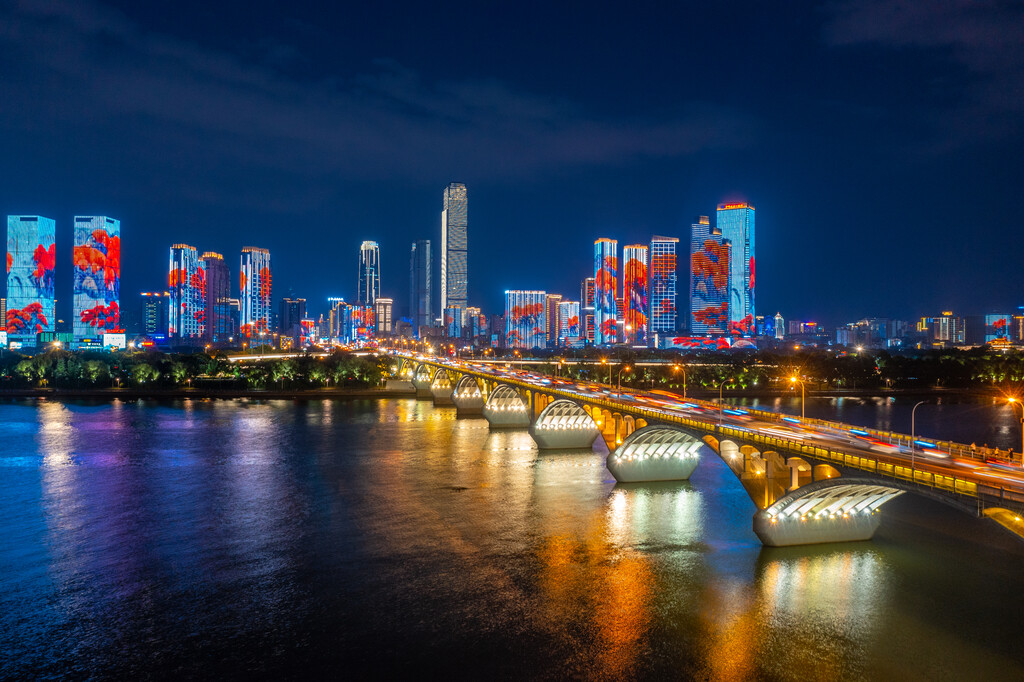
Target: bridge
(812, 481)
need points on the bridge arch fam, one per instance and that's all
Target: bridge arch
(656, 453)
(441, 387)
(564, 424)
(468, 396)
(505, 407)
(421, 379)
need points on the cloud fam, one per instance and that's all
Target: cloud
(83, 71)
(977, 42)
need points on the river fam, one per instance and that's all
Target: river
(386, 538)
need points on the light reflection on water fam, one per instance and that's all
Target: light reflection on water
(249, 538)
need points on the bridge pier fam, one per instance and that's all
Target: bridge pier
(505, 408)
(775, 531)
(655, 453)
(468, 398)
(564, 425)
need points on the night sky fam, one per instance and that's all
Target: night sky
(879, 140)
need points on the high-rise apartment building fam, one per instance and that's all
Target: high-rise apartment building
(454, 247)
(155, 312)
(662, 286)
(587, 310)
(292, 313)
(369, 273)
(634, 293)
(96, 267)
(568, 323)
(780, 326)
(551, 305)
(606, 278)
(31, 262)
(254, 278)
(736, 222)
(219, 327)
(525, 319)
(383, 314)
(452, 321)
(419, 285)
(709, 279)
(186, 281)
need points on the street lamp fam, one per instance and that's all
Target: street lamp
(1014, 401)
(913, 437)
(619, 376)
(794, 380)
(676, 368)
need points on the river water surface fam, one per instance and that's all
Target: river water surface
(383, 539)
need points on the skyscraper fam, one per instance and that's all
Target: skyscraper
(218, 298)
(382, 315)
(709, 279)
(662, 287)
(96, 260)
(525, 319)
(369, 273)
(254, 278)
(780, 324)
(186, 281)
(736, 221)
(606, 268)
(293, 312)
(568, 323)
(551, 303)
(31, 262)
(155, 312)
(587, 310)
(634, 293)
(419, 284)
(454, 247)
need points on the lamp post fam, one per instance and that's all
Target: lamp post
(1014, 401)
(913, 437)
(677, 368)
(721, 404)
(794, 380)
(619, 377)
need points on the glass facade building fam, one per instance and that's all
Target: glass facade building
(454, 247)
(254, 279)
(662, 286)
(31, 265)
(186, 282)
(155, 312)
(606, 284)
(419, 285)
(709, 279)
(369, 273)
(634, 293)
(219, 326)
(587, 310)
(568, 323)
(552, 302)
(525, 319)
(736, 222)
(96, 293)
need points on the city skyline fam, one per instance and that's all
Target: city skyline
(866, 142)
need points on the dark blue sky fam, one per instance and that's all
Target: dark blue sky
(880, 141)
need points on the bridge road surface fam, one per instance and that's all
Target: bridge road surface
(844, 439)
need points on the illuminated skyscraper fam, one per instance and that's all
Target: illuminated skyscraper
(186, 281)
(254, 278)
(293, 312)
(606, 268)
(369, 273)
(780, 326)
(709, 279)
(382, 315)
(568, 323)
(551, 305)
(96, 259)
(219, 327)
(587, 310)
(455, 247)
(155, 312)
(525, 319)
(662, 286)
(736, 222)
(634, 293)
(31, 261)
(419, 285)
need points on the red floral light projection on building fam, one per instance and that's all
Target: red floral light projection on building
(709, 269)
(30, 319)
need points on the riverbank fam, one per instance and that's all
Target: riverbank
(132, 393)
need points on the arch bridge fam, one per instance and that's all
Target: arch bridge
(806, 491)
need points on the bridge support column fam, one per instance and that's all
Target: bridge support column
(467, 396)
(775, 531)
(442, 395)
(505, 408)
(655, 453)
(564, 425)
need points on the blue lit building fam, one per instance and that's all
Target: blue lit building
(736, 222)
(31, 262)
(606, 284)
